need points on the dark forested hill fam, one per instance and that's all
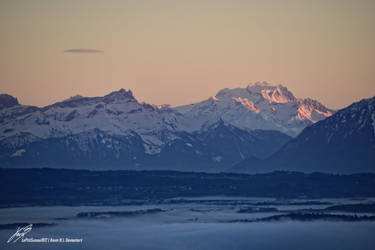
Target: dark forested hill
(82, 187)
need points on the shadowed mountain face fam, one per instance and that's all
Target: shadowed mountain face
(217, 147)
(211, 150)
(342, 143)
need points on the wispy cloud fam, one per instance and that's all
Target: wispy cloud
(83, 51)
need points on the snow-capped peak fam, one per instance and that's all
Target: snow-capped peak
(119, 95)
(271, 93)
(260, 105)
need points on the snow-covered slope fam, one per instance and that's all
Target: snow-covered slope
(258, 106)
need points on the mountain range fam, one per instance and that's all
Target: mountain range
(117, 131)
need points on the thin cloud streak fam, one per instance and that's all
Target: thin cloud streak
(83, 51)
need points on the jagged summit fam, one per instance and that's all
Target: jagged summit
(7, 101)
(73, 98)
(118, 96)
(278, 94)
(121, 93)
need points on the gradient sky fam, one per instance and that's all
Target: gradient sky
(179, 52)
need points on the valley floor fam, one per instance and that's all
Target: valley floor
(199, 223)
